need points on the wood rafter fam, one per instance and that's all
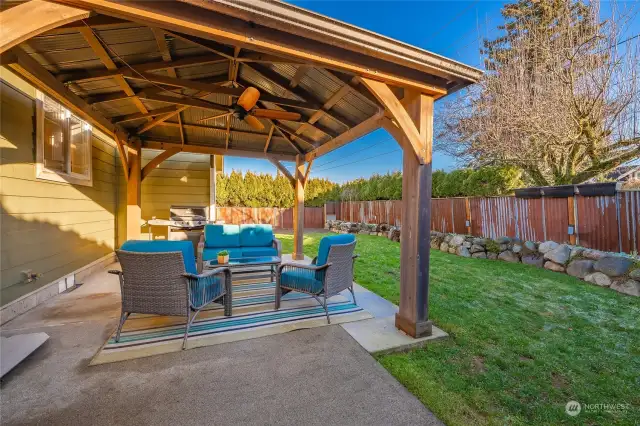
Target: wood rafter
(138, 115)
(29, 19)
(202, 127)
(204, 149)
(282, 169)
(182, 126)
(36, 74)
(163, 47)
(83, 76)
(307, 172)
(105, 58)
(266, 144)
(300, 72)
(362, 129)
(159, 120)
(122, 153)
(228, 133)
(157, 160)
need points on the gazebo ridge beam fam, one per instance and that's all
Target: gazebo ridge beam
(204, 149)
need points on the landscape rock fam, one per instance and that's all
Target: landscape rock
(552, 266)
(444, 247)
(504, 247)
(503, 240)
(466, 244)
(635, 274)
(476, 248)
(463, 251)
(576, 251)
(598, 278)
(480, 241)
(630, 287)
(452, 249)
(580, 268)
(517, 248)
(492, 256)
(448, 238)
(530, 246)
(457, 240)
(614, 266)
(509, 256)
(435, 244)
(547, 246)
(533, 259)
(479, 255)
(560, 254)
(593, 254)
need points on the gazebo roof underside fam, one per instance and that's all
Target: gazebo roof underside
(136, 76)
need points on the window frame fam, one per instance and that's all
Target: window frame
(44, 173)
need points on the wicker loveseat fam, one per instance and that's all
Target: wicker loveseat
(160, 277)
(251, 240)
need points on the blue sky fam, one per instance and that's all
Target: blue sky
(450, 28)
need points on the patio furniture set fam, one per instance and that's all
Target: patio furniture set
(166, 278)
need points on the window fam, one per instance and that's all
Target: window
(64, 144)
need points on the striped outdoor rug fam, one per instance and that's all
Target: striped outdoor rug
(253, 316)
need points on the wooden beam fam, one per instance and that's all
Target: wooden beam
(181, 128)
(83, 76)
(298, 210)
(267, 58)
(35, 74)
(285, 136)
(155, 162)
(32, 18)
(236, 32)
(307, 173)
(399, 113)
(295, 136)
(228, 132)
(138, 115)
(300, 72)
(413, 314)
(159, 120)
(266, 145)
(134, 202)
(203, 127)
(283, 170)
(122, 153)
(204, 149)
(362, 129)
(163, 47)
(189, 102)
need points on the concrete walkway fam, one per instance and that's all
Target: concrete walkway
(315, 376)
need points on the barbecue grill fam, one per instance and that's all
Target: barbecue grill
(185, 223)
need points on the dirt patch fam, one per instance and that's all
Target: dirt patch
(559, 381)
(478, 365)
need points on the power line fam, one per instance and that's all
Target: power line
(359, 161)
(356, 151)
(455, 18)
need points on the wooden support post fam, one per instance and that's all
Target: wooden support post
(415, 135)
(134, 212)
(298, 209)
(572, 219)
(213, 174)
(467, 210)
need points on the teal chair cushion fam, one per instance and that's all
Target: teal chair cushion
(163, 246)
(302, 280)
(256, 235)
(221, 236)
(327, 242)
(212, 253)
(258, 251)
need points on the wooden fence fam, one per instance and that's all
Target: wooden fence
(277, 217)
(610, 223)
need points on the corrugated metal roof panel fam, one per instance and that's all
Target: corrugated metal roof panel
(127, 35)
(163, 132)
(257, 80)
(202, 71)
(83, 58)
(356, 102)
(55, 42)
(345, 108)
(210, 137)
(192, 115)
(320, 83)
(286, 70)
(120, 107)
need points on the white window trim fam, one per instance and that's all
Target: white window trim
(55, 175)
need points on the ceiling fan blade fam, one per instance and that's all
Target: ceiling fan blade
(254, 122)
(248, 98)
(275, 114)
(213, 117)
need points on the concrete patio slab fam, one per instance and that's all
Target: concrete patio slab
(315, 376)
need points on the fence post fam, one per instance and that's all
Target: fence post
(467, 209)
(571, 209)
(324, 214)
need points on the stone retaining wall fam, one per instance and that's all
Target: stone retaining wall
(618, 272)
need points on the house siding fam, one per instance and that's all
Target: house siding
(50, 228)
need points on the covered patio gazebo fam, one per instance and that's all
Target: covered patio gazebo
(249, 78)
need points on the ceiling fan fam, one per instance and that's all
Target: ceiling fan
(244, 109)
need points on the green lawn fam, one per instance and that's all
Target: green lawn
(523, 341)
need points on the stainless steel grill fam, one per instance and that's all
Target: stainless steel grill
(187, 218)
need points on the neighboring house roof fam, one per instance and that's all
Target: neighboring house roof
(624, 173)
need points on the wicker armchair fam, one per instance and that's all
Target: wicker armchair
(157, 283)
(332, 276)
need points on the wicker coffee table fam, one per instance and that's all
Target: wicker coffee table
(236, 265)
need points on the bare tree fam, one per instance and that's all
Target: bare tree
(562, 103)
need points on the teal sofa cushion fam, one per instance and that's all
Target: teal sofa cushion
(258, 251)
(164, 246)
(302, 280)
(256, 235)
(327, 242)
(212, 253)
(221, 236)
